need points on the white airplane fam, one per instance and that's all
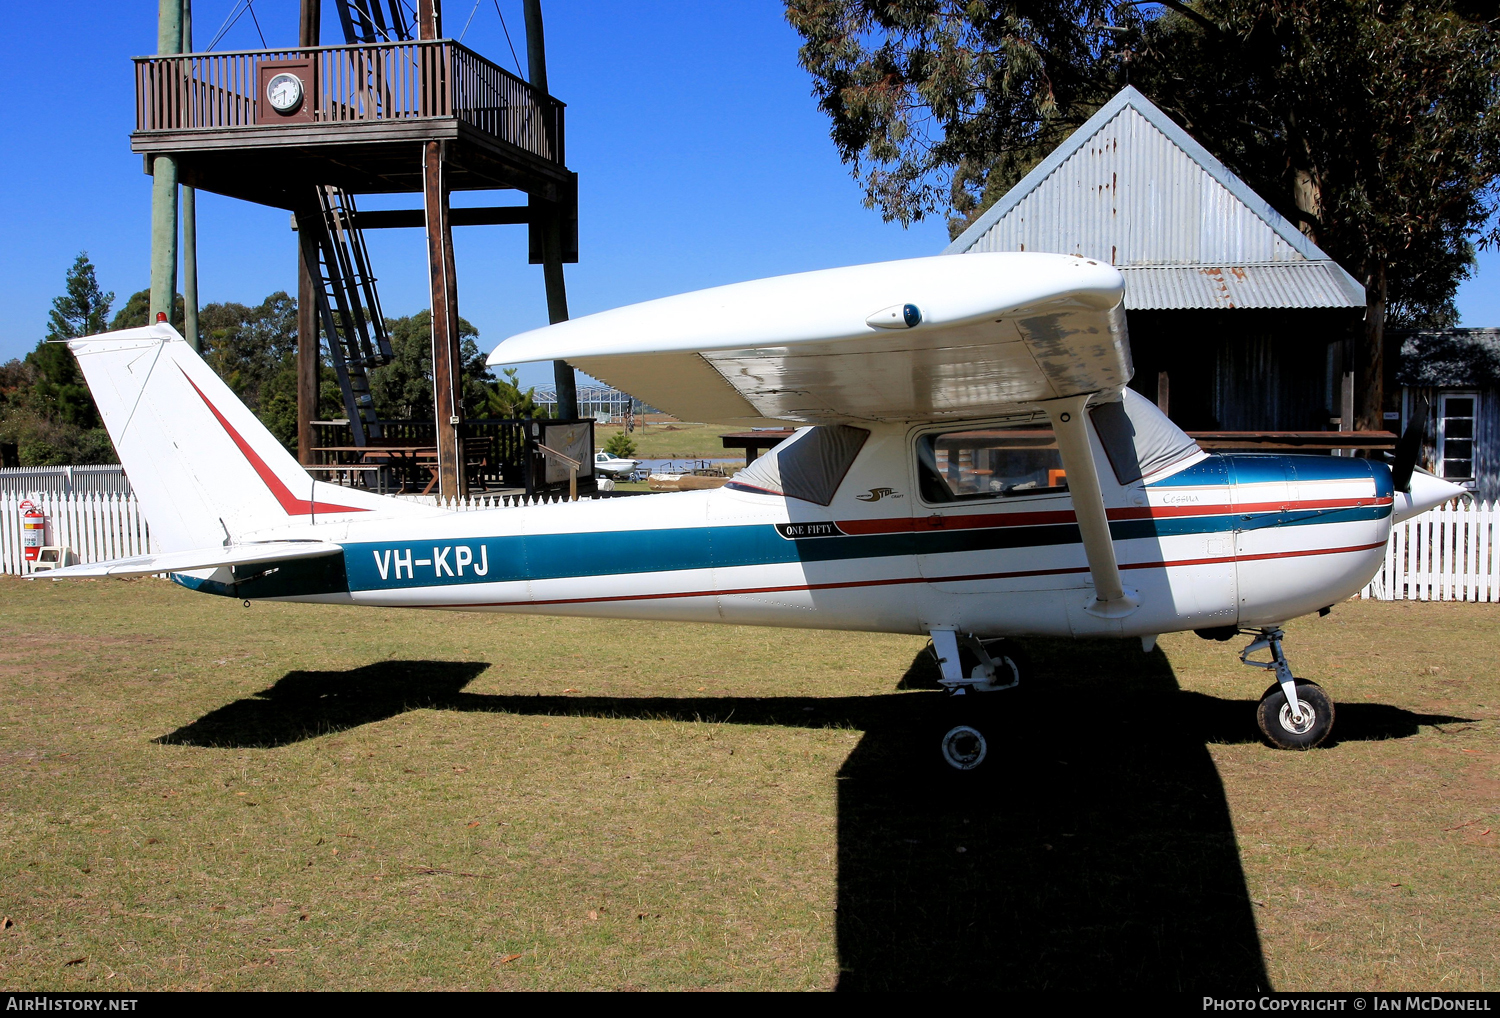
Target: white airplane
(970, 466)
(614, 466)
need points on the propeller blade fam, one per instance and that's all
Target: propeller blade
(1409, 447)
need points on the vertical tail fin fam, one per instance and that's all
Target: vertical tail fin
(206, 470)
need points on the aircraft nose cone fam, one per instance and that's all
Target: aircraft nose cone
(1426, 492)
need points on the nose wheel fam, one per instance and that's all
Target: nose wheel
(1294, 713)
(1300, 729)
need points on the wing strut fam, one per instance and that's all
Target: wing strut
(1111, 599)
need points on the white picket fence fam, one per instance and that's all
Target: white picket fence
(1449, 554)
(98, 526)
(95, 525)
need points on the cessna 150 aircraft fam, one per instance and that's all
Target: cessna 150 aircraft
(970, 466)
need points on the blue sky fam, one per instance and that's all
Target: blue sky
(701, 154)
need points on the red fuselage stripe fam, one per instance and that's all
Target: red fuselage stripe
(985, 521)
(291, 504)
(970, 578)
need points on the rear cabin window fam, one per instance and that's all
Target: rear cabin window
(1000, 461)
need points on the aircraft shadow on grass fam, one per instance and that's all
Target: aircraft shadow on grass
(1097, 853)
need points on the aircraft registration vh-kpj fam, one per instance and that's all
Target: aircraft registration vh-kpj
(968, 465)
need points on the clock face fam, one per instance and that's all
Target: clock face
(284, 92)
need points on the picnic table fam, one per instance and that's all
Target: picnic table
(409, 459)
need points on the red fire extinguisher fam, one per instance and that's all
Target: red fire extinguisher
(33, 529)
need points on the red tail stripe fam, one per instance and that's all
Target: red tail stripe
(291, 504)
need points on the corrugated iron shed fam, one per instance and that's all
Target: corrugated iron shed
(1132, 188)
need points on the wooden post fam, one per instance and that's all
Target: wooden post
(309, 359)
(309, 350)
(447, 401)
(164, 184)
(309, 30)
(1163, 393)
(551, 228)
(189, 223)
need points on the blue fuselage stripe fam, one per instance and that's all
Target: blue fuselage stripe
(561, 556)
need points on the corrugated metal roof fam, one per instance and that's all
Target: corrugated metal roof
(1267, 285)
(1133, 189)
(1450, 357)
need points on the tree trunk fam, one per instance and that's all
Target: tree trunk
(1309, 199)
(1370, 364)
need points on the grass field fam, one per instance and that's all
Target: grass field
(675, 440)
(196, 794)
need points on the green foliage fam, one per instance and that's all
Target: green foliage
(45, 406)
(1374, 127)
(46, 409)
(254, 350)
(403, 388)
(137, 312)
(620, 445)
(942, 104)
(504, 398)
(83, 307)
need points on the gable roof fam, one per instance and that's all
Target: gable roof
(1444, 358)
(1133, 189)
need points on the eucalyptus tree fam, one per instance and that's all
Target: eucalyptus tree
(1371, 124)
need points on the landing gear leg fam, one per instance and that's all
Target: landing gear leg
(1293, 713)
(964, 744)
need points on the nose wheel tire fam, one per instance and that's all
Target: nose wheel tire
(1286, 730)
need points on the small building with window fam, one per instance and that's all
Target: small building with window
(1453, 376)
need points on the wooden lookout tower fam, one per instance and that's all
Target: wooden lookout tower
(395, 108)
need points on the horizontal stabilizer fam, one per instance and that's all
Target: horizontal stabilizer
(199, 558)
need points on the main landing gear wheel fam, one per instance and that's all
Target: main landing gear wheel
(1289, 730)
(971, 674)
(965, 747)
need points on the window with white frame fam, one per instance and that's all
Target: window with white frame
(1455, 435)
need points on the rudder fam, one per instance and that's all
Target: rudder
(205, 469)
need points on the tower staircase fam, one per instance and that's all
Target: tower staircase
(364, 21)
(348, 305)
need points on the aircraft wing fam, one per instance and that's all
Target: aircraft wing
(199, 558)
(938, 338)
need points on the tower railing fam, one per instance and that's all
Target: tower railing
(351, 84)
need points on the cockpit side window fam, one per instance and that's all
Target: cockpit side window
(997, 461)
(1116, 434)
(810, 465)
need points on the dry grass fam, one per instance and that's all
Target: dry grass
(193, 794)
(674, 440)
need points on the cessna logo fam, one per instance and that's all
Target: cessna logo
(876, 494)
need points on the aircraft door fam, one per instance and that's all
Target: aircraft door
(992, 528)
